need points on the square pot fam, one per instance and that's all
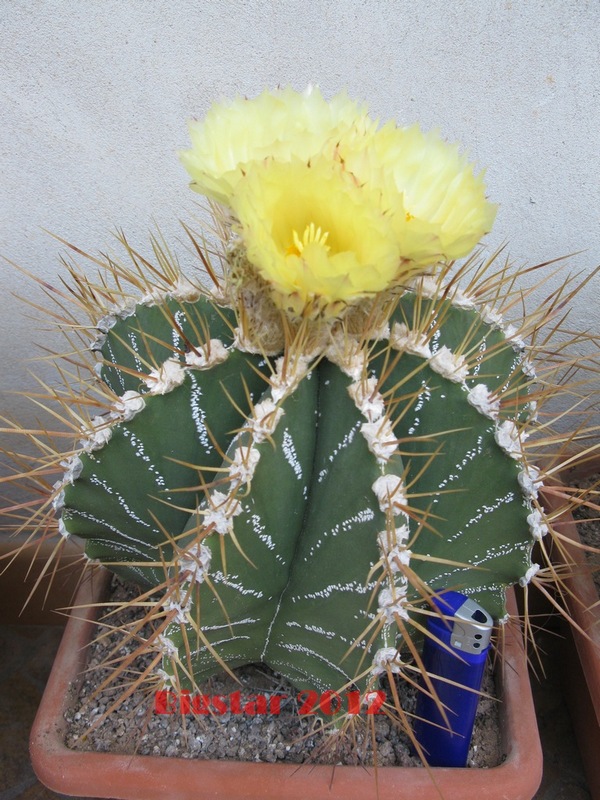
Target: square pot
(582, 667)
(141, 777)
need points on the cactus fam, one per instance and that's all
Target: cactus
(295, 462)
(297, 509)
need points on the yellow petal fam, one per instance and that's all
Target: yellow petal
(437, 202)
(281, 124)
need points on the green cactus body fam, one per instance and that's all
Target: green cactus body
(129, 491)
(466, 395)
(298, 510)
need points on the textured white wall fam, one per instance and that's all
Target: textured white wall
(95, 97)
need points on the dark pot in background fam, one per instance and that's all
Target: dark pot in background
(582, 653)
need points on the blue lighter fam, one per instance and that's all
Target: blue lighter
(466, 634)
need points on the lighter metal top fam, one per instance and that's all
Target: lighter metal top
(471, 628)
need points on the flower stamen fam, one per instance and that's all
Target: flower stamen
(311, 235)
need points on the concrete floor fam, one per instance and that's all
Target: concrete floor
(27, 655)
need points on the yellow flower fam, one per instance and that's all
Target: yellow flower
(318, 239)
(282, 124)
(329, 208)
(435, 200)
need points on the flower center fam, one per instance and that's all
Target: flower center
(311, 235)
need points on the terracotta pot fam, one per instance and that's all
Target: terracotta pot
(582, 667)
(140, 777)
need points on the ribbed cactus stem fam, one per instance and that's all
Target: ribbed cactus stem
(298, 510)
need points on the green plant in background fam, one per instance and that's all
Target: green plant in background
(293, 451)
